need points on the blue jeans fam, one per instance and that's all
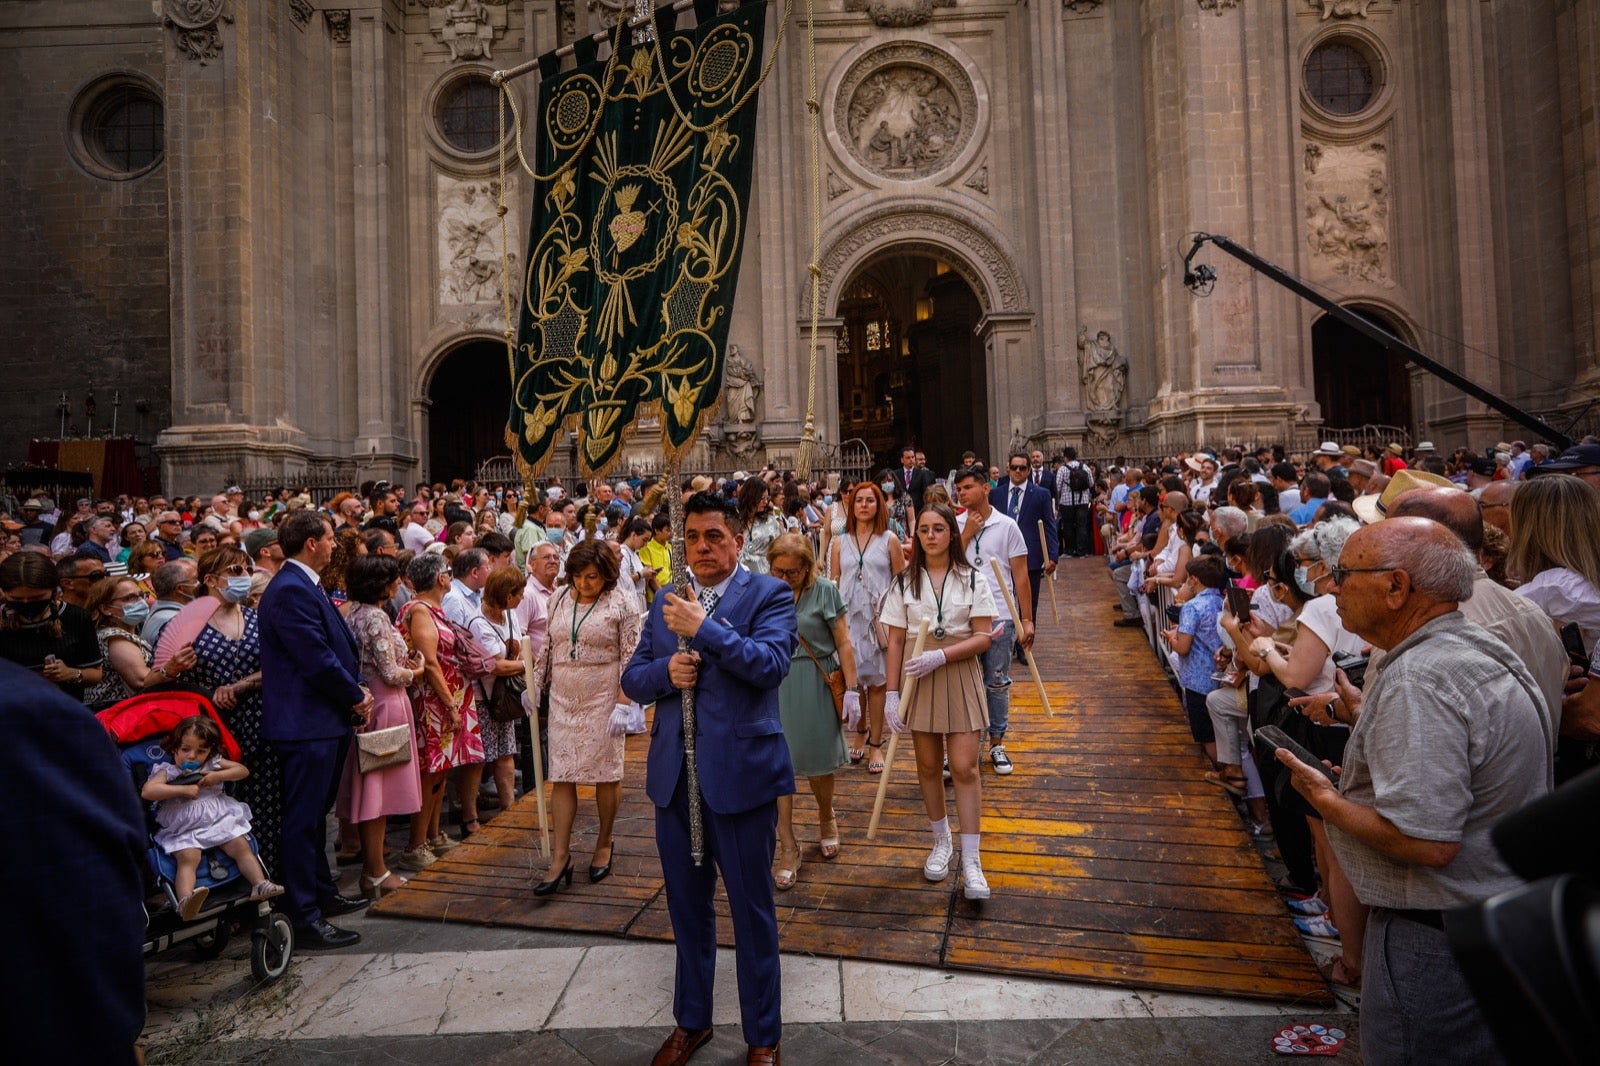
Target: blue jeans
(997, 681)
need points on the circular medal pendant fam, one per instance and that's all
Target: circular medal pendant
(938, 632)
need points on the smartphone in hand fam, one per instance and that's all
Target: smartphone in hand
(1270, 738)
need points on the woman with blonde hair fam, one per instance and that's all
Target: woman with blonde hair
(862, 559)
(1555, 550)
(119, 611)
(811, 726)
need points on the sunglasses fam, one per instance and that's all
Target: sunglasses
(1014, 466)
(237, 570)
(98, 575)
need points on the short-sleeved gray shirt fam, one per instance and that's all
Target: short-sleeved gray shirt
(1452, 737)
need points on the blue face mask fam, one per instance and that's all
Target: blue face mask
(888, 488)
(1302, 577)
(135, 613)
(555, 532)
(237, 589)
(191, 765)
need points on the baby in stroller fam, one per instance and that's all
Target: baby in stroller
(194, 812)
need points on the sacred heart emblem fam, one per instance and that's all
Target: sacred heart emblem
(628, 226)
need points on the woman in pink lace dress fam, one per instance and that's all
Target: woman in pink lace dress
(593, 629)
(368, 799)
(446, 714)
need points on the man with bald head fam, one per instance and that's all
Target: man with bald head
(1525, 629)
(1452, 737)
(1495, 504)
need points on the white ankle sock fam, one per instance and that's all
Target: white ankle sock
(969, 847)
(941, 828)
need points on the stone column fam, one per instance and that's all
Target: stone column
(826, 343)
(1008, 348)
(1578, 49)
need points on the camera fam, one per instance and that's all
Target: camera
(1354, 666)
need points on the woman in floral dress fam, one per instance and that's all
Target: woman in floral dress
(446, 712)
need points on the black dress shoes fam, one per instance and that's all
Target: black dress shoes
(334, 906)
(323, 935)
(680, 1045)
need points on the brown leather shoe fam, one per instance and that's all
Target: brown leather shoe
(680, 1046)
(763, 1056)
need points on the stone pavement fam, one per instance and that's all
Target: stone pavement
(414, 992)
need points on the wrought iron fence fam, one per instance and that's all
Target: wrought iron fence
(1151, 449)
(851, 458)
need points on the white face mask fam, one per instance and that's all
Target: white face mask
(255, 516)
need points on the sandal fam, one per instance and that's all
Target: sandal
(1233, 784)
(829, 844)
(378, 888)
(875, 764)
(469, 827)
(265, 890)
(784, 878)
(858, 751)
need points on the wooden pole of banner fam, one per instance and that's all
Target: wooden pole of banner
(533, 742)
(1055, 611)
(907, 686)
(1027, 654)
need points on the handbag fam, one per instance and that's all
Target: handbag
(505, 695)
(834, 680)
(383, 747)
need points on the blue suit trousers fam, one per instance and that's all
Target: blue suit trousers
(311, 770)
(741, 846)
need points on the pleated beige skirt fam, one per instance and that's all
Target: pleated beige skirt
(951, 699)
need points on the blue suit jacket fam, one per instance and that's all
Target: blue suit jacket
(1037, 504)
(310, 669)
(739, 745)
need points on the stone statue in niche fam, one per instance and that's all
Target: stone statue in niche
(741, 389)
(467, 28)
(1347, 210)
(1342, 9)
(905, 121)
(469, 242)
(1103, 372)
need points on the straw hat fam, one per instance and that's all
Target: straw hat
(1374, 508)
(1425, 446)
(1329, 448)
(1352, 451)
(700, 483)
(1395, 449)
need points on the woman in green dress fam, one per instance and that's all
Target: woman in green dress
(812, 727)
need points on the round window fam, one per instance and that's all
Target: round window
(467, 114)
(1340, 77)
(123, 131)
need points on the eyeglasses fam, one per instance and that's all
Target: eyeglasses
(783, 574)
(1339, 573)
(1015, 466)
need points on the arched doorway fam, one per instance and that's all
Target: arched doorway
(910, 367)
(1358, 381)
(469, 399)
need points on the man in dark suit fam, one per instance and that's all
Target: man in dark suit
(311, 693)
(914, 479)
(1040, 474)
(1026, 504)
(741, 632)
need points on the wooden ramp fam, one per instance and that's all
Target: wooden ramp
(1109, 858)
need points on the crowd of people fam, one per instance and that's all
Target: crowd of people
(1426, 623)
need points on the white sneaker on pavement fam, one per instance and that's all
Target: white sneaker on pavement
(973, 884)
(937, 868)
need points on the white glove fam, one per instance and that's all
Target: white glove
(852, 709)
(635, 719)
(925, 664)
(891, 713)
(620, 713)
(530, 702)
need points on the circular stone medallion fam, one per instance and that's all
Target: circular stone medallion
(905, 110)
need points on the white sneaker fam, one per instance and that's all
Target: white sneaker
(419, 858)
(973, 883)
(938, 865)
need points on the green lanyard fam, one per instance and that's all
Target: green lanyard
(861, 553)
(938, 599)
(577, 624)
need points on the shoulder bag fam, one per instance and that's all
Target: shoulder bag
(505, 697)
(834, 680)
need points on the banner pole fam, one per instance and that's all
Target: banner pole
(1055, 611)
(1027, 654)
(680, 572)
(906, 688)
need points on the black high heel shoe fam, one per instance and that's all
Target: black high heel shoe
(600, 873)
(547, 888)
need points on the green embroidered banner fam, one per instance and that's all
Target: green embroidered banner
(637, 231)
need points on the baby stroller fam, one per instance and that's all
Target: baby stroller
(138, 725)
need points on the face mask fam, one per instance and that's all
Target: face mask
(1302, 577)
(237, 589)
(603, 524)
(32, 613)
(135, 613)
(191, 765)
(255, 516)
(555, 532)
(887, 487)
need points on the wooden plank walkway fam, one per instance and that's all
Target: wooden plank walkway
(1109, 858)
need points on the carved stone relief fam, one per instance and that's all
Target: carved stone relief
(468, 28)
(338, 25)
(300, 11)
(1217, 6)
(1347, 209)
(905, 110)
(979, 181)
(469, 242)
(1081, 6)
(195, 28)
(1103, 372)
(567, 15)
(1342, 9)
(897, 13)
(837, 186)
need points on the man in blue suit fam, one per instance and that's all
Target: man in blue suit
(311, 693)
(1026, 504)
(741, 631)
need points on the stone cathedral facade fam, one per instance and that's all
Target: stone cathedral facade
(270, 227)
